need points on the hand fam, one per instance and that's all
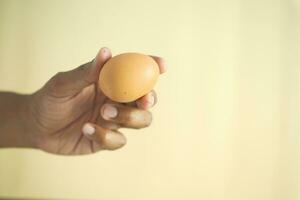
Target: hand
(70, 115)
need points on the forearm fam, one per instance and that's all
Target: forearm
(14, 117)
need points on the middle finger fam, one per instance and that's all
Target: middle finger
(126, 116)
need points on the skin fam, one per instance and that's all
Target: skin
(69, 115)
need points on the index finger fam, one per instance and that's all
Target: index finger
(161, 63)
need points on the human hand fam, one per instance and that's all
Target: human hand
(70, 115)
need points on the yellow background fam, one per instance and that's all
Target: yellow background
(227, 123)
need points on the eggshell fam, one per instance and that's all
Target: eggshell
(127, 77)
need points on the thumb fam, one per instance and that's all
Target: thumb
(69, 83)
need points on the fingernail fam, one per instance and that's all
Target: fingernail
(88, 129)
(109, 111)
(150, 100)
(114, 140)
(104, 50)
(164, 67)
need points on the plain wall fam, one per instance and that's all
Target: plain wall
(226, 126)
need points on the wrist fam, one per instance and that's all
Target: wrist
(16, 121)
(26, 120)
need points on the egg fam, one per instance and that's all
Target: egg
(128, 76)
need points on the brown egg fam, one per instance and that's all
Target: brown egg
(127, 77)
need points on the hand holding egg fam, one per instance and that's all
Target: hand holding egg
(80, 111)
(127, 80)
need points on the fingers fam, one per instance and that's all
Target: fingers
(108, 124)
(71, 82)
(147, 101)
(161, 63)
(129, 117)
(104, 138)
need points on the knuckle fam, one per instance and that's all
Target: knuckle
(55, 82)
(57, 79)
(84, 70)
